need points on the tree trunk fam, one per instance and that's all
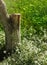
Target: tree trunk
(11, 24)
(12, 31)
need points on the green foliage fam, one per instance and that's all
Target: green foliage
(33, 49)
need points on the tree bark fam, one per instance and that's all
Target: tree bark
(11, 25)
(12, 31)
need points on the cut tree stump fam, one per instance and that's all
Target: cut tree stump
(11, 26)
(12, 35)
(12, 31)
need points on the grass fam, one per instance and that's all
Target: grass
(33, 49)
